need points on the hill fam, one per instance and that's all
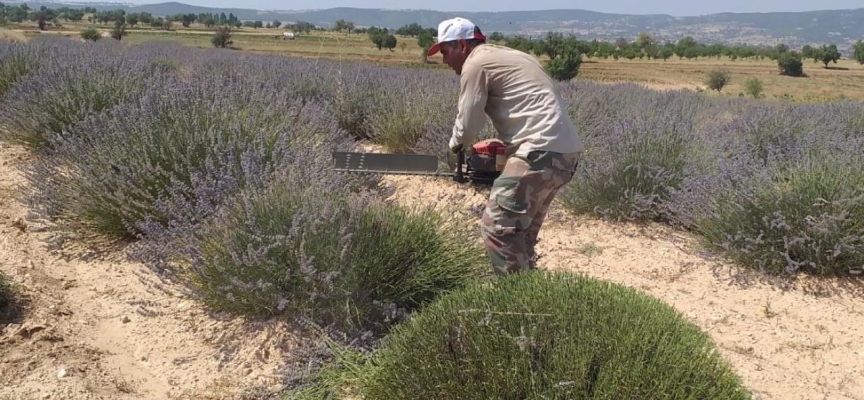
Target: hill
(841, 27)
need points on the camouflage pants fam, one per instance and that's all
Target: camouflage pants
(517, 207)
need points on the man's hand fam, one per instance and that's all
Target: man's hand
(455, 149)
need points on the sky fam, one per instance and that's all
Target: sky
(672, 7)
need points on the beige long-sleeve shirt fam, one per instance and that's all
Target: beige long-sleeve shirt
(522, 101)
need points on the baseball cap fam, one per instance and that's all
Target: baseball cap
(455, 29)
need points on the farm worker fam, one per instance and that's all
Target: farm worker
(530, 117)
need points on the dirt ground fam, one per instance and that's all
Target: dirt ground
(106, 328)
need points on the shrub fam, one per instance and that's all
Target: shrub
(357, 96)
(565, 66)
(630, 170)
(90, 34)
(172, 156)
(222, 37)
(807, 216)
(7, 297)
(540, 335)
(119, 30)
(354, 265)
(74, 85)
(412, 114)
(718, 79)
(753, 87)
(790, 64)
(17, 61)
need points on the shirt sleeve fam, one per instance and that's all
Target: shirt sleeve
(471, 115)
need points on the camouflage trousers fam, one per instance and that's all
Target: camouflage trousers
(518, 204)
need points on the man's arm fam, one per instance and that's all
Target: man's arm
(471, 114)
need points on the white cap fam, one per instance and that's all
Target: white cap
(455, 29)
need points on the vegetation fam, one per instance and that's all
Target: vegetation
(7, 297)
(356, 266)
(90, 34)
(790, 64)
(382, 38)
(222, 37)
(119, 30)
(214, 166)
(539, 335)
(718, 79)
(753, 87)
(825, 54)
(858, 52)
(17, 61)
(808, 217)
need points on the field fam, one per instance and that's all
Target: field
(172, 228)
(842, 80)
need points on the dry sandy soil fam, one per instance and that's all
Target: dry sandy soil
(107, 328)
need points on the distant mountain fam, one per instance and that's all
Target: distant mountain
(841, 27)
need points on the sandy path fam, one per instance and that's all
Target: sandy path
(108, 329)
(804, 341)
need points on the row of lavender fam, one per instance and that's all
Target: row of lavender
(774, 185)
(213, 168)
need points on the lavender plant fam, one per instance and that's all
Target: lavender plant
(349, 263)
(17, 60)
(77, 83)
(668, 156)
(808, 217)
(792, 196)
(173, 155)
(631, 168)
(542, 335)
(423, 102)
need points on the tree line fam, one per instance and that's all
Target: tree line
(44, 15)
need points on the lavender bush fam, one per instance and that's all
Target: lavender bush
(174, 154)
(78, 81)
(636, 154)
(806, 217)
(424, 102)
(789, 195)
(737, 171)
(17, 60)
(349, 263)
(228, 170)
(542, 335)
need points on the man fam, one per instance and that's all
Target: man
(529, 114)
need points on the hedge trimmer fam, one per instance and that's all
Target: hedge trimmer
(483, 166)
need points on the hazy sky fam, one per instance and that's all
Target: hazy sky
(673, 7)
